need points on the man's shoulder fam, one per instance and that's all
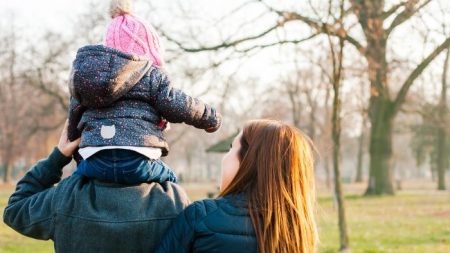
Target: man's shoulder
(158, 200)
(174, 191)
(77, 183)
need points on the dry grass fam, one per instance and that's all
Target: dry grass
(416, 220)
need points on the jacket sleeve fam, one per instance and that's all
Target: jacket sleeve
(180, 236)
(30, 209)
(177, 107)
(76, 110)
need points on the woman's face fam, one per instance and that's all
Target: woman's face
(230, 163)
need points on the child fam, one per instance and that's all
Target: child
(120, 101)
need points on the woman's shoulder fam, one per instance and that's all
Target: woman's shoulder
(226, 215)
(222, 206)
(200, 209)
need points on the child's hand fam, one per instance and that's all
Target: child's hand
(163, 123)
(66, 147)
(217, 127)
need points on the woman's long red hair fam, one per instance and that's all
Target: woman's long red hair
(276, 174)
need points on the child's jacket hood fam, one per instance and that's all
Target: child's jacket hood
(102, 75)
(118, 100)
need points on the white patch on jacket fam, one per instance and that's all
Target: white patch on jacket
(108, 132)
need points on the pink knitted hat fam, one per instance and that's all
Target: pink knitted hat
(131, 35)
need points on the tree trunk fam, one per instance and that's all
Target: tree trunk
(380, 114)
(441, 159)
(327, 172)
(380, 107)
(343, 234)
(380, 178)
(433, 172)
(312, 122)
(189, 177)
(442, 154)
(359, 164)
(327, 125)
(337, 60)
(295, 106)
(7, 172)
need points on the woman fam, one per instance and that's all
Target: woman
(266, 202)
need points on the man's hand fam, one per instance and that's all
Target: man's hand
(66, 147)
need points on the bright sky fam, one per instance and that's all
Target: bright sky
(200, 17)
(35, 16)
(40, 14)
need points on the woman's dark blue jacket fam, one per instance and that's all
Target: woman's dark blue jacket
(213, 225)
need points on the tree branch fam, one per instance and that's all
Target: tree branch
(286, 17)
(38, 128)
(330, 29)
(62, 100)
(393, 9)
(224, 44)
(416, 73)
(411, 8)
(277, 43)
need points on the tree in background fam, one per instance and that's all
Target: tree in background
(442, 134)
(25, 111)
(431, 137)
(376, 22)
(33, 89)
(337, 69)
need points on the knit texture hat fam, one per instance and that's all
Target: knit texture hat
(131, 35)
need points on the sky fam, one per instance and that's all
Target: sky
(41, 14)
(201, 17)
(36, 16)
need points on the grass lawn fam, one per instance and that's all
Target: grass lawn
(413, 221)
(11, 241)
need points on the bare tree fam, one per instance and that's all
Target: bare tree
(337, 63)
(361, 140)
(25, 111)
(33, 89)
(442, 136)
(304, 89)
(443, 158)
(308, 92)
(8, 105)
(377, 22)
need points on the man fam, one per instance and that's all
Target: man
(83, 215)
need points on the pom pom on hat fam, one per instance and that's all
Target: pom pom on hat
(120, 8)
